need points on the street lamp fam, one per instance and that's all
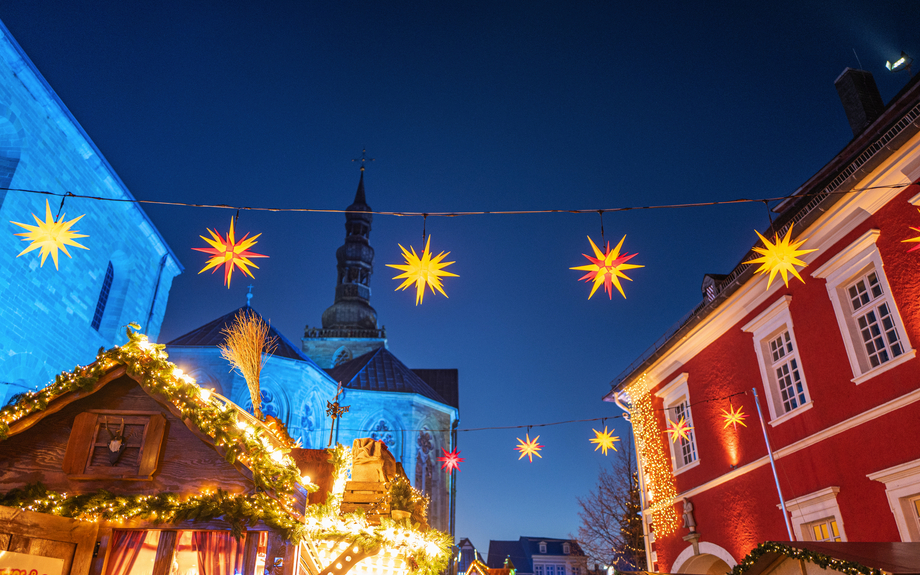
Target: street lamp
(900, 64)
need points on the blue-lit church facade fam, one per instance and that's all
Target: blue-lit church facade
(55, 319)
(413, 411)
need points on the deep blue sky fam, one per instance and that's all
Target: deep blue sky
(505, 105)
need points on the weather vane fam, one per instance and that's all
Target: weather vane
(335, 411)
(363, 159)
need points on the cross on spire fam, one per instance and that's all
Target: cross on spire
(249, 296)
(363, 159)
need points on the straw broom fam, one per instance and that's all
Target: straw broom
(245, 342)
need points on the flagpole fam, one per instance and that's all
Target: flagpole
(782, 501)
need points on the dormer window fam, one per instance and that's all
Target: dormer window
(566, 548)
(543, 547)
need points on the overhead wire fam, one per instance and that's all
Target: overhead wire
(69, 194)
(531, 425)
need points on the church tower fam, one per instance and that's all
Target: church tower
(350, 323)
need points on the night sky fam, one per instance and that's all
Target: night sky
(470, 106)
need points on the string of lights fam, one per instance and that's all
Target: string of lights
(68, 194)
(549, 424)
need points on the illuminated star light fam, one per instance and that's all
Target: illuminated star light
(733, 417)
(604, 440)
(530, 447)
(607, 268)
(426, 270)
(50, 236)
(780, 257)
(230, 253)
(681, 429)
(914, 240)
(451, 460)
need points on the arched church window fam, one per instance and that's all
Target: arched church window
(381, 431)
(103, 296)
(341, 356)
(424, 463)
(269, 405)
(10, 146)
(307, 425)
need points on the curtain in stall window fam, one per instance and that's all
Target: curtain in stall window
(218, 552)
(126, 546)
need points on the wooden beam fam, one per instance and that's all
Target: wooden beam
(162, 563)
(24, 525)
(347, 559)
(250, 551)
(63, 400)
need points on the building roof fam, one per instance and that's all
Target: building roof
(210, 335)
(379, 370)
(499, 550)
(896, 558)
(444, 381)
(522, 551)
(893, 127)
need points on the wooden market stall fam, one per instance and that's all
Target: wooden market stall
(128, 467)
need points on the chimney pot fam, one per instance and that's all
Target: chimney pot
(860, 97)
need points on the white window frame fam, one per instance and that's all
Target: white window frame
(809, 509)
(543, 547)
(566, 548)
(771, 323)
(856, 260)
(902, 486)
(829, 523)
(672, 394)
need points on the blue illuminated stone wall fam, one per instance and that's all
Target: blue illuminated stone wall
(46, 314)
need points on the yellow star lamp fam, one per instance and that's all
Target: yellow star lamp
(529, 447)
(422, 271)
(229, 253)
(606, 268)
(605, 440)
(780, 256)
(914, 240)
(679, 430)
(50, 236)
(732, 417)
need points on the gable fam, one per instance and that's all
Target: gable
(184, 462)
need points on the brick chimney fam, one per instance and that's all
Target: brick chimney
(861, 100)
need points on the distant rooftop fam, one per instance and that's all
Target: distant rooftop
(380, 370)
(210, 335)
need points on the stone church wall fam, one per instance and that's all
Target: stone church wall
(48, 314)
(328, 352)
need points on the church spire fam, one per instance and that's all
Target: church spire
(355, 265)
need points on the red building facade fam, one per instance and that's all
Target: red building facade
(832, 361)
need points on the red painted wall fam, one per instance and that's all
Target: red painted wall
(743, 512)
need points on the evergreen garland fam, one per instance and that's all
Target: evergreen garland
(820, 559)
(239, 510)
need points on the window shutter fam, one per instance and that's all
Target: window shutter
(80, 443)
(153, 440)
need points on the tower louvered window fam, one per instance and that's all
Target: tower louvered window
(103, 296)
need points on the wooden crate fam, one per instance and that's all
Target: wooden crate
(368, 495)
